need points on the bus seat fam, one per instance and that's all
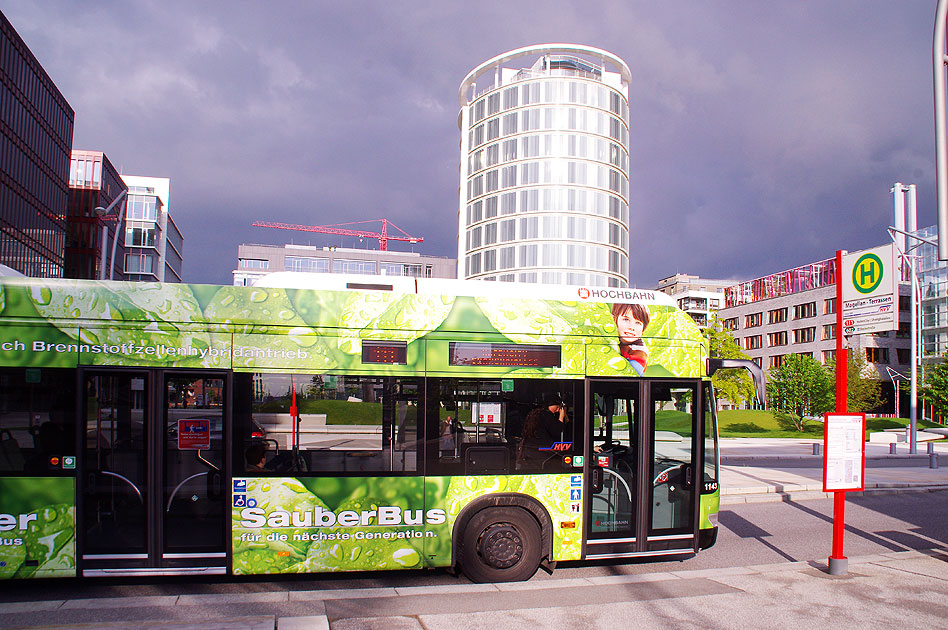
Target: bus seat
(479, 458)
(11, 458)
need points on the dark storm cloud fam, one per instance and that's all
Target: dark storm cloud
(763, 135)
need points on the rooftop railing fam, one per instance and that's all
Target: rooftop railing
(528, 73)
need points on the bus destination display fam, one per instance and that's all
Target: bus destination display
(392, 352)
(503, 355)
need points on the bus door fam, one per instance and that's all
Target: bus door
(641, 468)
(613, 468)
(152, 480)
(194, 496)
(673, 472)
(400, 425)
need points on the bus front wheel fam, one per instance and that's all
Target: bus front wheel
(501, 545)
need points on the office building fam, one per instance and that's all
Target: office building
(256, 261)
(154, 246)
(794, 312)
(36, 125)
(699, 297)
(94, 183)
(544, 173)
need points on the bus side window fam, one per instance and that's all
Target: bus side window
(321, 423)
(37, 422)
(478, 425)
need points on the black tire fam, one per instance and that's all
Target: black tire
(500, 545)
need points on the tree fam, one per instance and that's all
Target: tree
(735, 386)
(863, 393)
(934, 388)
(800, 387)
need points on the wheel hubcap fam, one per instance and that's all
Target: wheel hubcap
(501, 546)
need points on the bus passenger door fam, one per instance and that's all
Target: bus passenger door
(114, 479)
(193, 529)
(613, 462)
(673, 475)
(152, 473)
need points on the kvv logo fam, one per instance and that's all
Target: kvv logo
(867, 273)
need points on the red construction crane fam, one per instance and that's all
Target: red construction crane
(383, 236)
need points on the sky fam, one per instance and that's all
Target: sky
(764, 135)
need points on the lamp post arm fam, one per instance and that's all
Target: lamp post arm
(114, 203)
(122, 215)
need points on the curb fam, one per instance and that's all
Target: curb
(766, 494)
(917, 460)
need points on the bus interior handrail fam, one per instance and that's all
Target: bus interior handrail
(126, 480)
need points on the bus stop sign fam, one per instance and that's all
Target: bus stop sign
(870, 283)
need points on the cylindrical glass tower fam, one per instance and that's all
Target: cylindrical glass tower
(544, 194)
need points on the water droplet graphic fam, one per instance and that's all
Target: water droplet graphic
(407, 557)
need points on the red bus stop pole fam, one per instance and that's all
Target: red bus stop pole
(838, 564)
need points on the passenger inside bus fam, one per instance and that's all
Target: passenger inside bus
(450, 435)
(256, 456)
(543, 431)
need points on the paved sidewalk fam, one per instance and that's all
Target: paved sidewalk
(761, 469)
(906, 588)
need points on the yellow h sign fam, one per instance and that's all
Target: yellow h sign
(867, 273)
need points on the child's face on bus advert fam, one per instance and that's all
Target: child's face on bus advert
(630, 329)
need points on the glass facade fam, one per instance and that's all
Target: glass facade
(402, 269)
(153, 243)
(307, 264)
(36, 125)
(93, 183)
(806, 278)
(143, 237)
(255, 261)
(933, 280)
(367, 267)
(544, 170)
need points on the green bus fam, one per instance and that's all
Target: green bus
(348, 423)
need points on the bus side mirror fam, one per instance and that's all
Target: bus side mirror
(597, 479)
(756, 374)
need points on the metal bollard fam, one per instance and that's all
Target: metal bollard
(817, 448)
(932, 456)
(892, 450)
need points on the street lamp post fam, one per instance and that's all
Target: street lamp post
(939, 60)
(102, 213)
(916, 328)
(895, 376)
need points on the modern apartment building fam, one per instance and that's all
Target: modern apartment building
(933, 280)
(544, 173)
(699, 297)
(94, 183)
(256, 261)
(36, 125)
(154, 246)
(794, 312)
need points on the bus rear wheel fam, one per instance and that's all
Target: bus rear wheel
(501, 545)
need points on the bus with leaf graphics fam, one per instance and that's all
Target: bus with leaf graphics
(326, 423)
